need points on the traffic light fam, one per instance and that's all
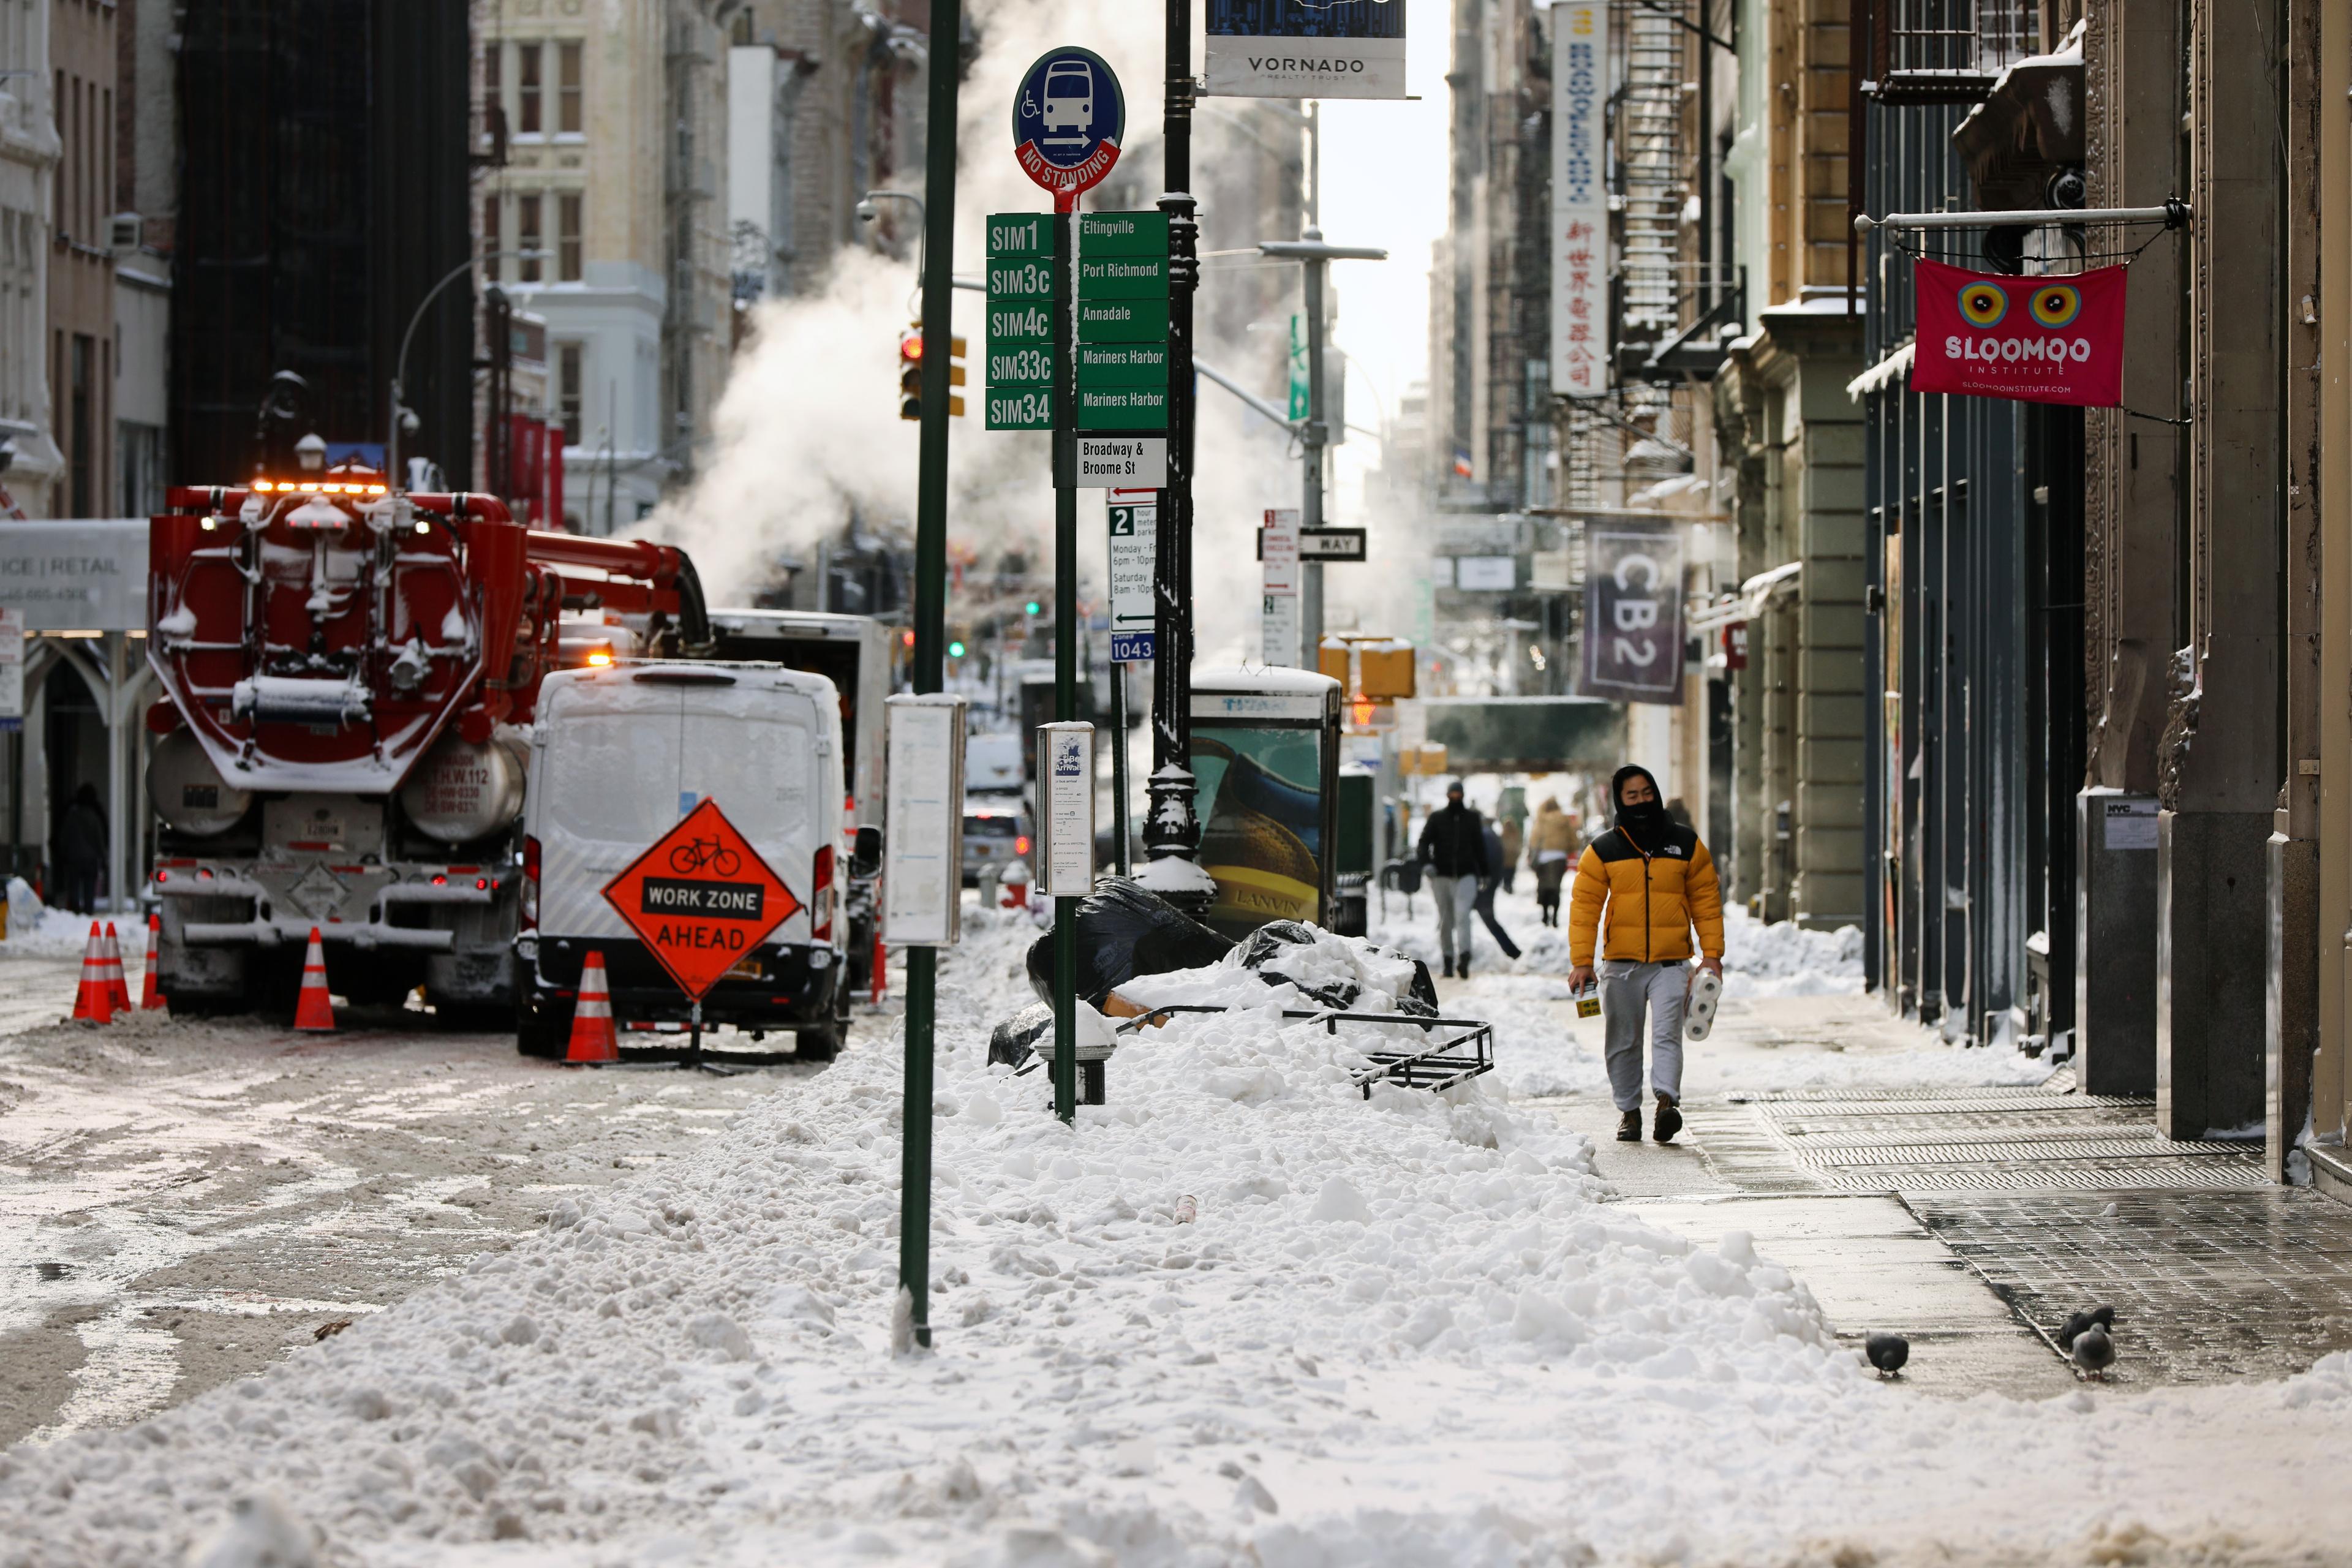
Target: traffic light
(1032, 609)
(910, 374)
(955, 650)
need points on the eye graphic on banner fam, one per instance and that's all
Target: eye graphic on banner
(1984, 304)
(2066, 346)
(2056, 305)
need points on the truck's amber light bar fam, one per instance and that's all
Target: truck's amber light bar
(339, 487)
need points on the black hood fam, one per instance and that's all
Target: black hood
(1650, 818)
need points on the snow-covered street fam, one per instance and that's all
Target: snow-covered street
(1405, 1330)
(181, 1201)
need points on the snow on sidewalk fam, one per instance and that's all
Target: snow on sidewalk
(1401, 1331)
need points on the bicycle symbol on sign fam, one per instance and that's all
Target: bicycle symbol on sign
(695, 854)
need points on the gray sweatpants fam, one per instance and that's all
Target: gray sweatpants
(1627, 989)
(1457, 901)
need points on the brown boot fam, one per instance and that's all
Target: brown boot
(1629, 1127)
(1669, 1121)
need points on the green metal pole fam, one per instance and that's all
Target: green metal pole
(1066, 635)
(930, 625)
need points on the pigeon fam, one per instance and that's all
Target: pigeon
(1887, 1352)
(2093, 1351)
(2104, 1316)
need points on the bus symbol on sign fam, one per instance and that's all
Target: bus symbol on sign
(1069, 120)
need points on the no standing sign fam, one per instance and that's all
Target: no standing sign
(1069, 120)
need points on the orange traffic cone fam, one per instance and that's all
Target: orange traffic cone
(115, 977)
(151, 995)
(312, 1009)
(95, 1001)
(594, 1039)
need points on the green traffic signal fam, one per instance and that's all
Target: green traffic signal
(1034, 607)
(955, 650)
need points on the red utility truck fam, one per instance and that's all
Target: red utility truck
(347, 670)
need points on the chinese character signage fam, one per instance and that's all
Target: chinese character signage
(1306, 48)
(2037, 340)
(1580, 199)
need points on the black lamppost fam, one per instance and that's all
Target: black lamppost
(1171, 829)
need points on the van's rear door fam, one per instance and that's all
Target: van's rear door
(754, 747)
(607, 790)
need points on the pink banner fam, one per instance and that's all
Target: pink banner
(2038, 340)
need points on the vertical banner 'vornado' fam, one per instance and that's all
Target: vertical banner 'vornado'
(1580, 199)
(1307, 49)
(1634, 613)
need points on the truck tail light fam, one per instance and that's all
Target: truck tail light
(821, 895)
(1021, 845)
(530, 921)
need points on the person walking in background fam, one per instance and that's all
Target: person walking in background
(81, 850)
(1498, 866)
(1640, 889)
(1550, 844)
(1455, 850)
(1514, 834)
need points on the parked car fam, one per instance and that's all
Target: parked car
(995, 830)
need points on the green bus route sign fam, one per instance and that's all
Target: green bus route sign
(1123, 321)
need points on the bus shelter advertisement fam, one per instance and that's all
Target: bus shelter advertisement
(2037, 340)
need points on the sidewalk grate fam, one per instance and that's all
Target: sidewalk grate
(2207, 1286)
(2021, 1140)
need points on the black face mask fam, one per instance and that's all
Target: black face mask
(1650, 817)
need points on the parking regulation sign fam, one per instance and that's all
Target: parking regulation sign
(701, 899)
(1069, 118)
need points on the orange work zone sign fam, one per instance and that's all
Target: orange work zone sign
(701, 898)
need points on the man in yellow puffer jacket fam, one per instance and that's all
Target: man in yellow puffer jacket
(1646, 883)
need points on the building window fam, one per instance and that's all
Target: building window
(61, 182)
(141, 449)
(567, 239)
(494, 231)
(494, 59)
(81, 431)
(568, 378)
(527, 237)
(527, 90)
(568, 119)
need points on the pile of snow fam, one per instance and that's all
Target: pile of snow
(37, 931)
(1785, 959)
(1330, 964)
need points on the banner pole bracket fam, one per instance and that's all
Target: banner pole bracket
(2174, 214)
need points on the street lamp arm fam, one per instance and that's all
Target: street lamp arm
(400, 365)
(1316, 250)
(1259, 403)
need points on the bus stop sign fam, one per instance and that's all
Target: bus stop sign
(1069, 120)
(701, 899)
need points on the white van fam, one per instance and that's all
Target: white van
(618, 756)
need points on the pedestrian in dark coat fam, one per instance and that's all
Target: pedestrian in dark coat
(1454, 846)
(1497, 862)
(81, 850)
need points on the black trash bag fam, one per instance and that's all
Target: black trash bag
(1268, 945)
(1125, 930)
(1018, 1036)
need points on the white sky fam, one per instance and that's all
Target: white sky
(1384, 184)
